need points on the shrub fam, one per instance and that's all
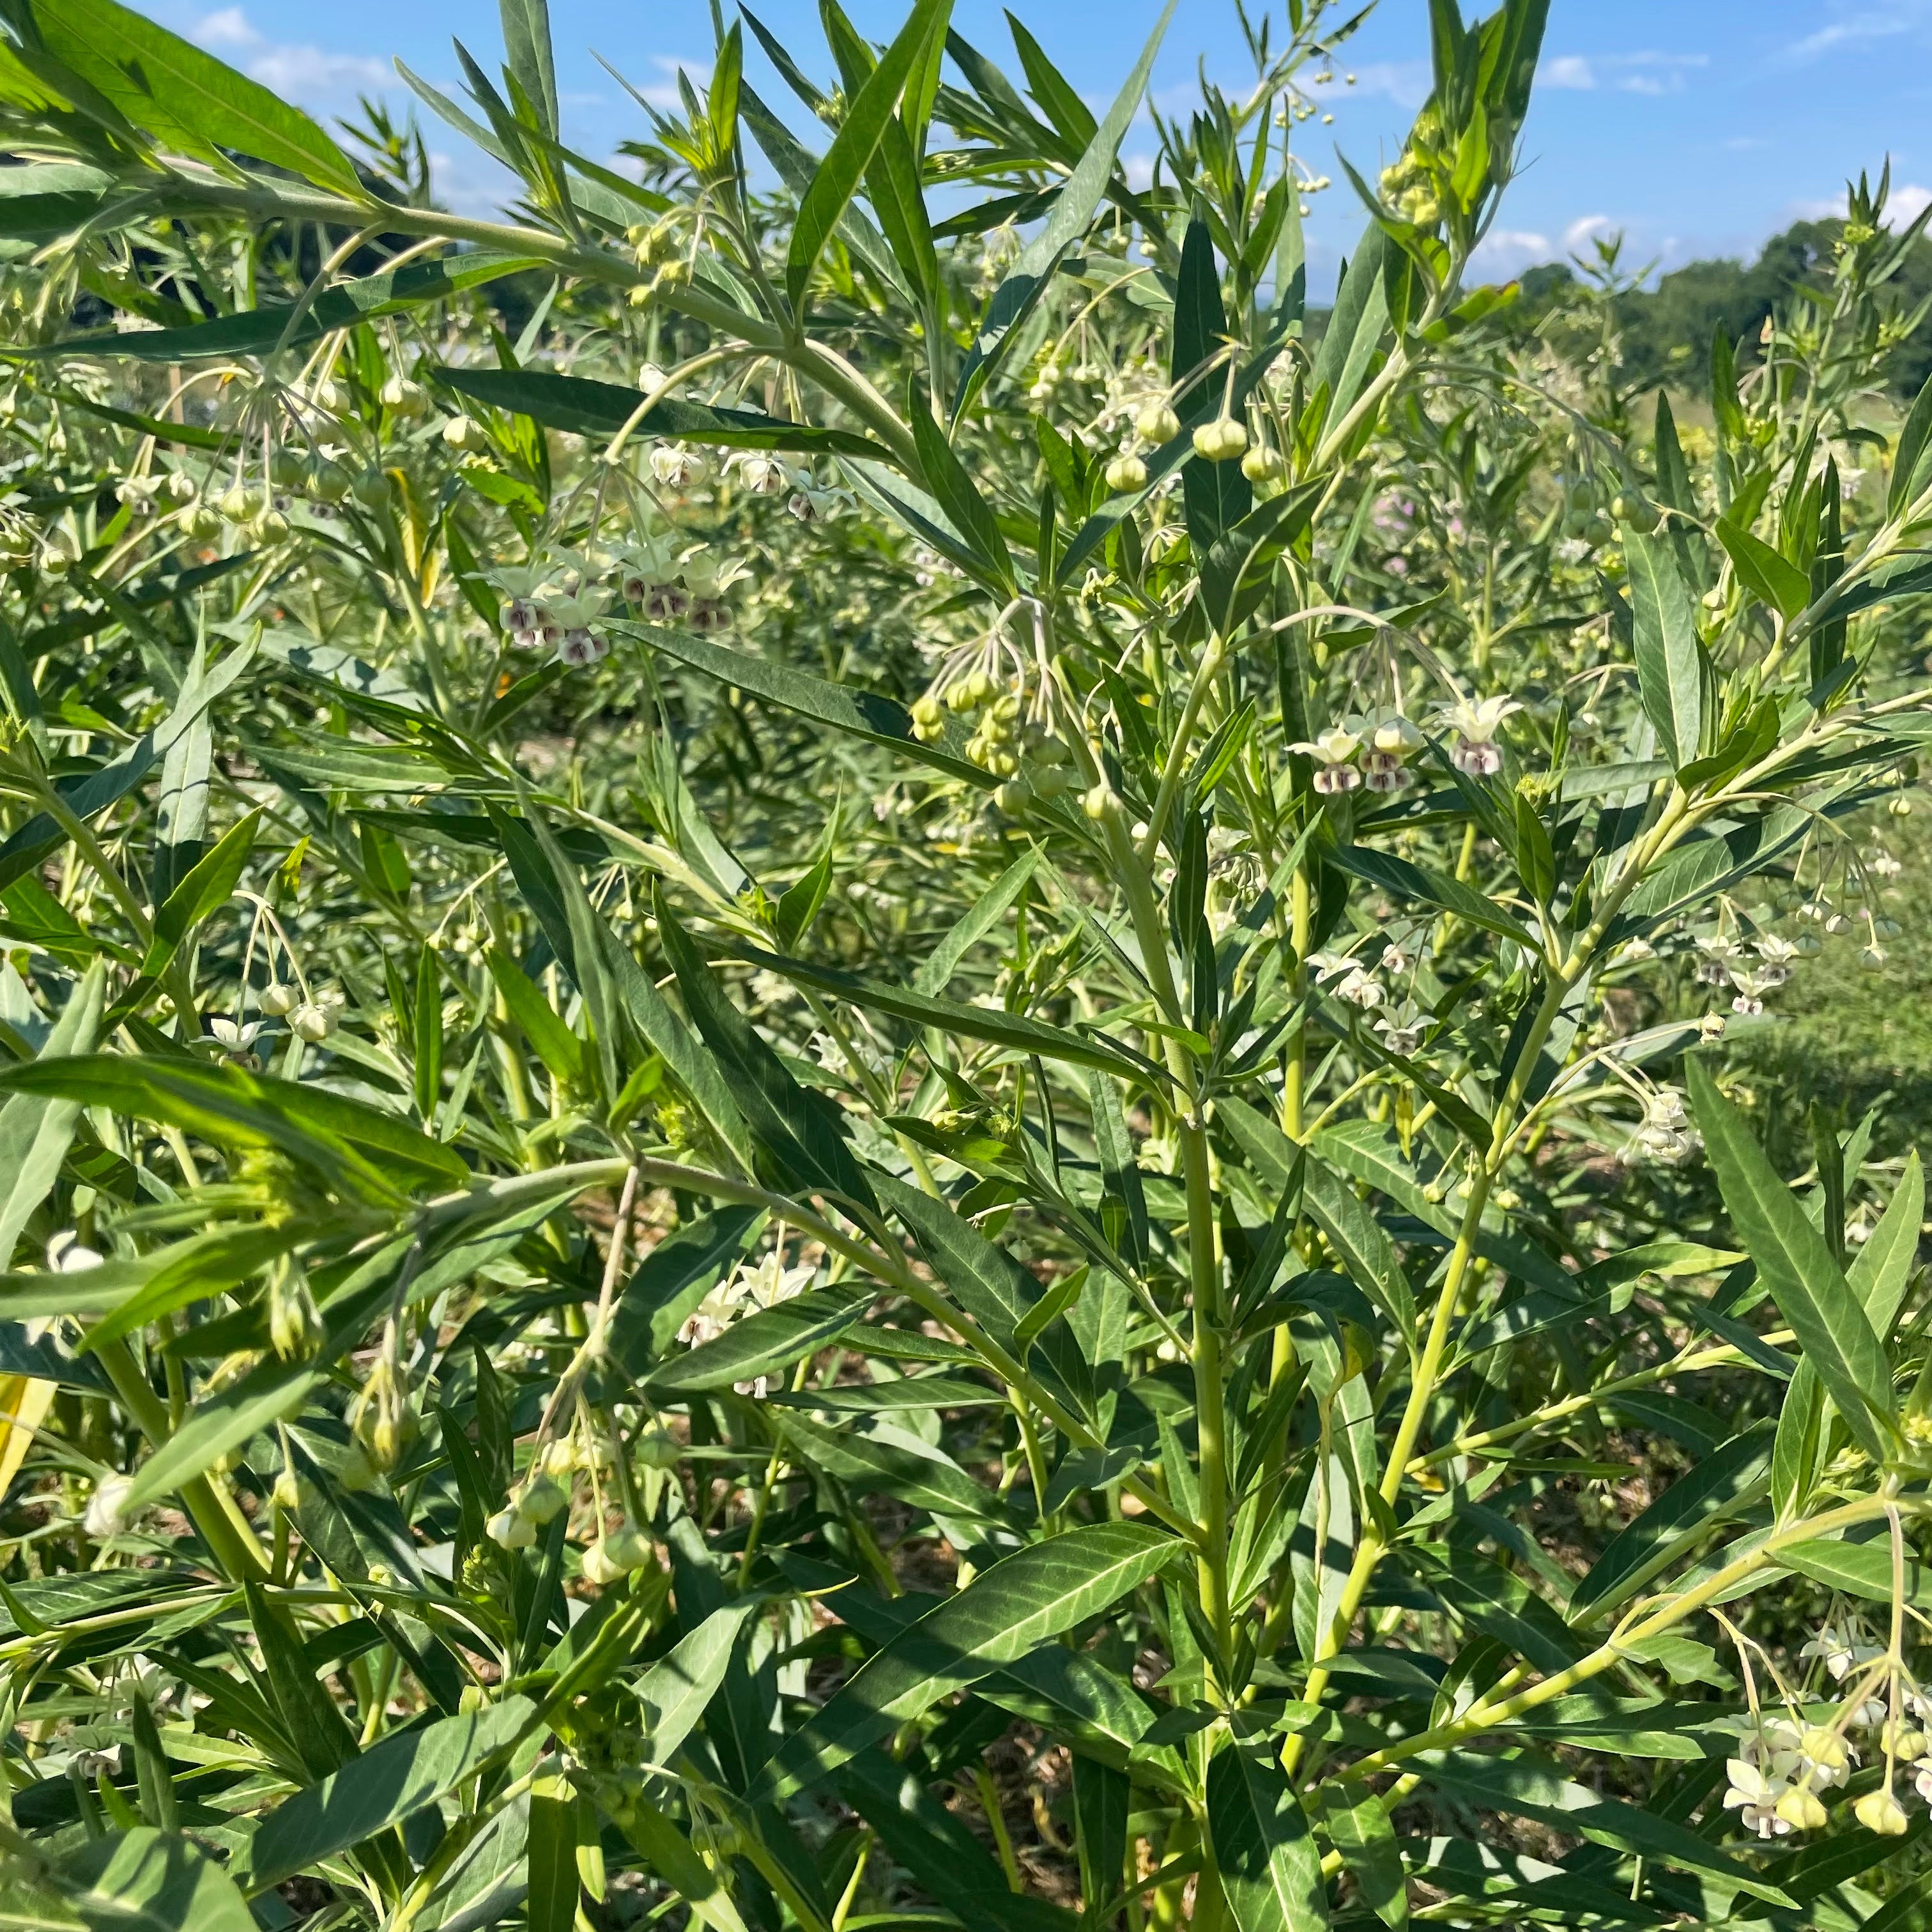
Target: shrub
(974, 1162)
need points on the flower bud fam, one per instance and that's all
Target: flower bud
(1263, 464)
(542, 1499)
(1125, 473)
(278, 1000)
(510, 1530)
(1157, 422)
(238, 504)
(1823, 1746)
(629, 1548)
(1879, 1811)
(461, 433)
(371, 489)
(313, 1022)
(292, 1492)
(1100, 801)
(107, 1508)
(599, 1566)
(1802, 1810)
(328, 481)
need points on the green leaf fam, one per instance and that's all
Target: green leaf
(1526, 1787)
(37, 1129)
(270, 1392)
(937, 968)
(859, 133)
(1670, 660)
(1858, 1569)
(527, 48)
(673, 1279)
(186, 98)
(1217, 496)
(550, 1903)
(255, 332)
(765, 1342)
(1013, 1030)
(384, 1786)
(1881, 1270)
(1264, 1853)
(586, 408)
(1793, 1262)
(1023, 1601)
(801, 1132)
(871, 1465)
(1908, 457)
(328, 1130)
(1343, 1217)
(1371, 1854)
(1431, 888)
(140, 1880)
(958, 497)
(861, 714)
(557, 1047)
(676, 1691)
(1768, 576)
(1714, 1489)
(208, 887)
(1073, 208)
(1357, 325)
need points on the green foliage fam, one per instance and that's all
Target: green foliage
(1021, 1160)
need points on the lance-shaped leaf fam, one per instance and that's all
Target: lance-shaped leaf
(1769, 577)
(765, 1343)
(138, 1880)
(1529, 1787)
(1671, 665)
(1713, 1490)
(800, 1132)
(1015, 1030)
(1073, 207)
(1265, 1854)
(859, 133)
(36, 1129)
(860, 714)
(270, 1392)
(186, 99)
(673, 1279)
(382, 1787)
(228, 1104)
(586, 408)
(908, 1470)
(1025, 1601)
(255, 332)
(1430, 888)
(1216, 495)
(675, 1690)
(1794, 1263)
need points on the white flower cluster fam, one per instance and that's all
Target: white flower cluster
(1375, 751)
(761, 1284)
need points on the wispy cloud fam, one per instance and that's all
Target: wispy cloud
(1859, 27)
(1647, 71)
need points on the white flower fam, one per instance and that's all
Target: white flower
(1775, 956)
(1334, 753)
(763, 1284)
(106, 1508)
(1353, 982)
(232, 1039)
(675, 467)
(1401, 1037)
(1839, 1646)
(66, 1256)
(761, 474)
(1476, 724)
(811, 504)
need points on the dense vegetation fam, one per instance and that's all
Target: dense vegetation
(866, 1070)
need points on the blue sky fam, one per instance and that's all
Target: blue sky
(1697, 126)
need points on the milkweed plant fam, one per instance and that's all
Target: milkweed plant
(872, 1056)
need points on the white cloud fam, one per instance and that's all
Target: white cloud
(1406, 82)
(1568, 71)
(1858, 29)
(1907, 203)
(1647, 71)
(1585, 229)
(1503, 252)
(228, 28)
(302, 73)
